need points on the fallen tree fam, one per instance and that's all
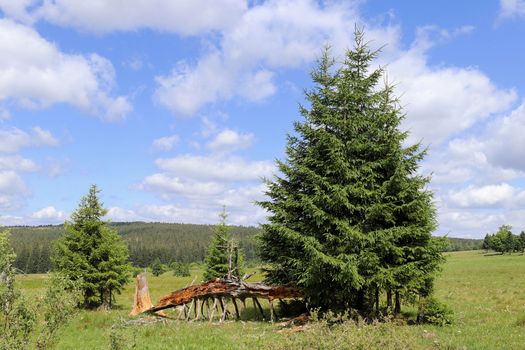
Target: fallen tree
(198, 298)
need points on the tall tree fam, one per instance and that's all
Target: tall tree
(92, 252)
(350, 217)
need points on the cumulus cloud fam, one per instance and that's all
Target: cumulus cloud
(197, 187)
(13, 139)
(443, 101)
(13, 190)
(49, 215)
(214, 168)
(274, 34)
(512, 8)
(504, 142)
(185, 17)
(34, 73)
(169, 185)
(166, 143)
(117, 214)
(486, 196)
(230, 140)
(17, 163)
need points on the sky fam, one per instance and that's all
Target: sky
(178, 108)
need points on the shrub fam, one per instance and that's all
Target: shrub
(180, 269)
(157, 268)
(432, 311)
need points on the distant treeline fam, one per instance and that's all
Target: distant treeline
(148, 241)
(460, 244)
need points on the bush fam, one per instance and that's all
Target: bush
(180, 269)
(432, 311)
(157, 268)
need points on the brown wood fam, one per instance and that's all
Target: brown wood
(141, 300)
(225, 289)
(397, 308)
(237, 314)
(258, 305)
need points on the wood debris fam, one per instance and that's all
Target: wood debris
(205, 299)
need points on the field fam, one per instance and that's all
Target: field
(486, 293)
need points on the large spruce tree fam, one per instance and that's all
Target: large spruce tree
(92, 252)
(350, 217)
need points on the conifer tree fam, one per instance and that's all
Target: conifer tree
(224, 255)
(350, 217)
(93, 253)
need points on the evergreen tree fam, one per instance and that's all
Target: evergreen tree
(157, 268)
(93, 253)
(223, 255)
(486, 242)
(350, 216)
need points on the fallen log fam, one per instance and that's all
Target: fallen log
(221, 289)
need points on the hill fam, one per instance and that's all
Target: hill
(147, 241)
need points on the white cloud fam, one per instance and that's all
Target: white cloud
(35, 74)
(49, 215)
(230, 140)
(17, 163)
(117, 214)
(186, 17)
(166, 143)
(275, 34)
(13, 139)
(212, 168)
(17, 9)
(13, 190)
(504, 140)
(486, 196)
(512, 8)
(168, 185)
(443, 101)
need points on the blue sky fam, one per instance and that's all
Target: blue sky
(176, 108)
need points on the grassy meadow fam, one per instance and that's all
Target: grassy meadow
(486, 293)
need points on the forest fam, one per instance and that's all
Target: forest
(147, 242)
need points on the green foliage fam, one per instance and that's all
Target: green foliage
(351, 217)
(119, 339)
(223, 253)
(17, 318)
(432, 311)
(180, 269)
(59, 305)
(157, 268)
(504, 241)
(463, 244)
(93, 253)
(146, 241)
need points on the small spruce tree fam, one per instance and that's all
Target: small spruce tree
(93, 253)
(224, 255)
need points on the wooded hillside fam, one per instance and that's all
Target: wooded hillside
(147, 241)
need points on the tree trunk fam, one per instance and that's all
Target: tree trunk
(397, 308)
(377, 301)
(389, 298)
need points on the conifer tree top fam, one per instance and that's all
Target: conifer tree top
(90, 208)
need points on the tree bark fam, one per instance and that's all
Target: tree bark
(397, 308)
(389, 298)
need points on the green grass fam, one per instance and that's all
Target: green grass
(485, 292)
